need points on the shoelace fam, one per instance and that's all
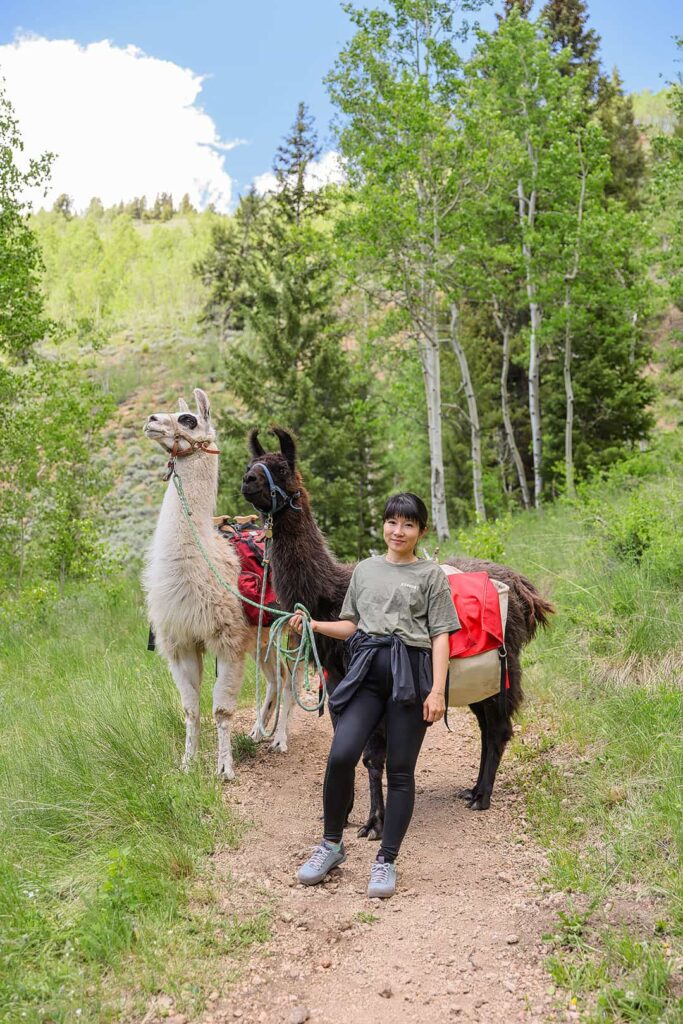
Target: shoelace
(317, 858)
(379, 872)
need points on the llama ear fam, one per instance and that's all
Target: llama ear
(182, 405)
(255, 446)
(287, 445)
(203, 406)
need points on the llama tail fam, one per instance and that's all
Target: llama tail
(538, 609)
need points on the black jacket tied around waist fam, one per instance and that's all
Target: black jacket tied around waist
(412, 676)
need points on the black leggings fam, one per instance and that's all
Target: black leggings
(405, 732)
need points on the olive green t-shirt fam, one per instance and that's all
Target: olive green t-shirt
(410, 599)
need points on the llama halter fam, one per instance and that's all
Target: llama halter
(288, 499)
(196, 445)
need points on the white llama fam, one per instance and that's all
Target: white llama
(189, 611)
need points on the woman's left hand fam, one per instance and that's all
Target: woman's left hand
(434, 707)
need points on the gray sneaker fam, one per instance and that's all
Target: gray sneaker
(320, 863)
(382, 882)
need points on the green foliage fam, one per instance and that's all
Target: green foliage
(668, 192)
(583, 260)
(49, 478)
(566, 25)
(22, 319)
(486, 540)
(523, 7)
(294, 197)
(627, 159)
(104, 839)
(652, 111)
(632, 531)
(54, 413)
(114, 271)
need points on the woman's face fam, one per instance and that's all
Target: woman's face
(401, 535)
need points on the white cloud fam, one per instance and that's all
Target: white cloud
(327, 170)
(122, 124)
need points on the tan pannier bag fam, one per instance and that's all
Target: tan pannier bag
(477, 677)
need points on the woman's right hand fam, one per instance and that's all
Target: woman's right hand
(296, 623)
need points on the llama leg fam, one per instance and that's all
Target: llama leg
(266, 711)
(499, 731)
(225, 693)
(279, 741)
(478, 712)
(374, 756)
(268, 672)
(186, 669)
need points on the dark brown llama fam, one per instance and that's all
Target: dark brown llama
(305, 571)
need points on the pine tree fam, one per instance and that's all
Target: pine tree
(291, 167)
(627, 159)
(62, 206)
(136, 208)
(272, 271)
(95, 208)
(523, 6)
(224, 268)
(567, 26)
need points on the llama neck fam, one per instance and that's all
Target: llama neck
(199, 478)
(304, 568)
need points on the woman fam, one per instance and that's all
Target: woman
(396, 618)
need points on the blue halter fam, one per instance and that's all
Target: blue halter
(288, 499)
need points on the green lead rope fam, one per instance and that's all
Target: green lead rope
(291, 658)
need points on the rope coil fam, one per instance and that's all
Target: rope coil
(304, 652)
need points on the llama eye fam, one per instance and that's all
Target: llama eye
(187, 420)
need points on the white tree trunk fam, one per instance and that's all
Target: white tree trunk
(428, 348)
(473, 415)
(527, 217)
(569, 400)
(567, 364)
(506, 332)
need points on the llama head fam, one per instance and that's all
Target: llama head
(256, 487)
(183, 426)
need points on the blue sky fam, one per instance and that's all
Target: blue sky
(260, 59)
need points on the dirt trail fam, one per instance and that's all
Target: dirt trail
(461, 940)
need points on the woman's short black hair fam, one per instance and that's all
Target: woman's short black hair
(408, 506)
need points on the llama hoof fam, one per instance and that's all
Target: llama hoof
(226, 773)
(278, 746)
(370, 830)
(481, 803)
(256, 735)
(465, 794)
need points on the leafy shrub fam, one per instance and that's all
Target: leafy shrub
(486, 540)
(632, 532)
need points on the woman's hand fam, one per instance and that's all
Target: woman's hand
(434, 708)
(295, 623)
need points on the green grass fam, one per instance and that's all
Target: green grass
(366, 917)
(105, 878)
(599, 751)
